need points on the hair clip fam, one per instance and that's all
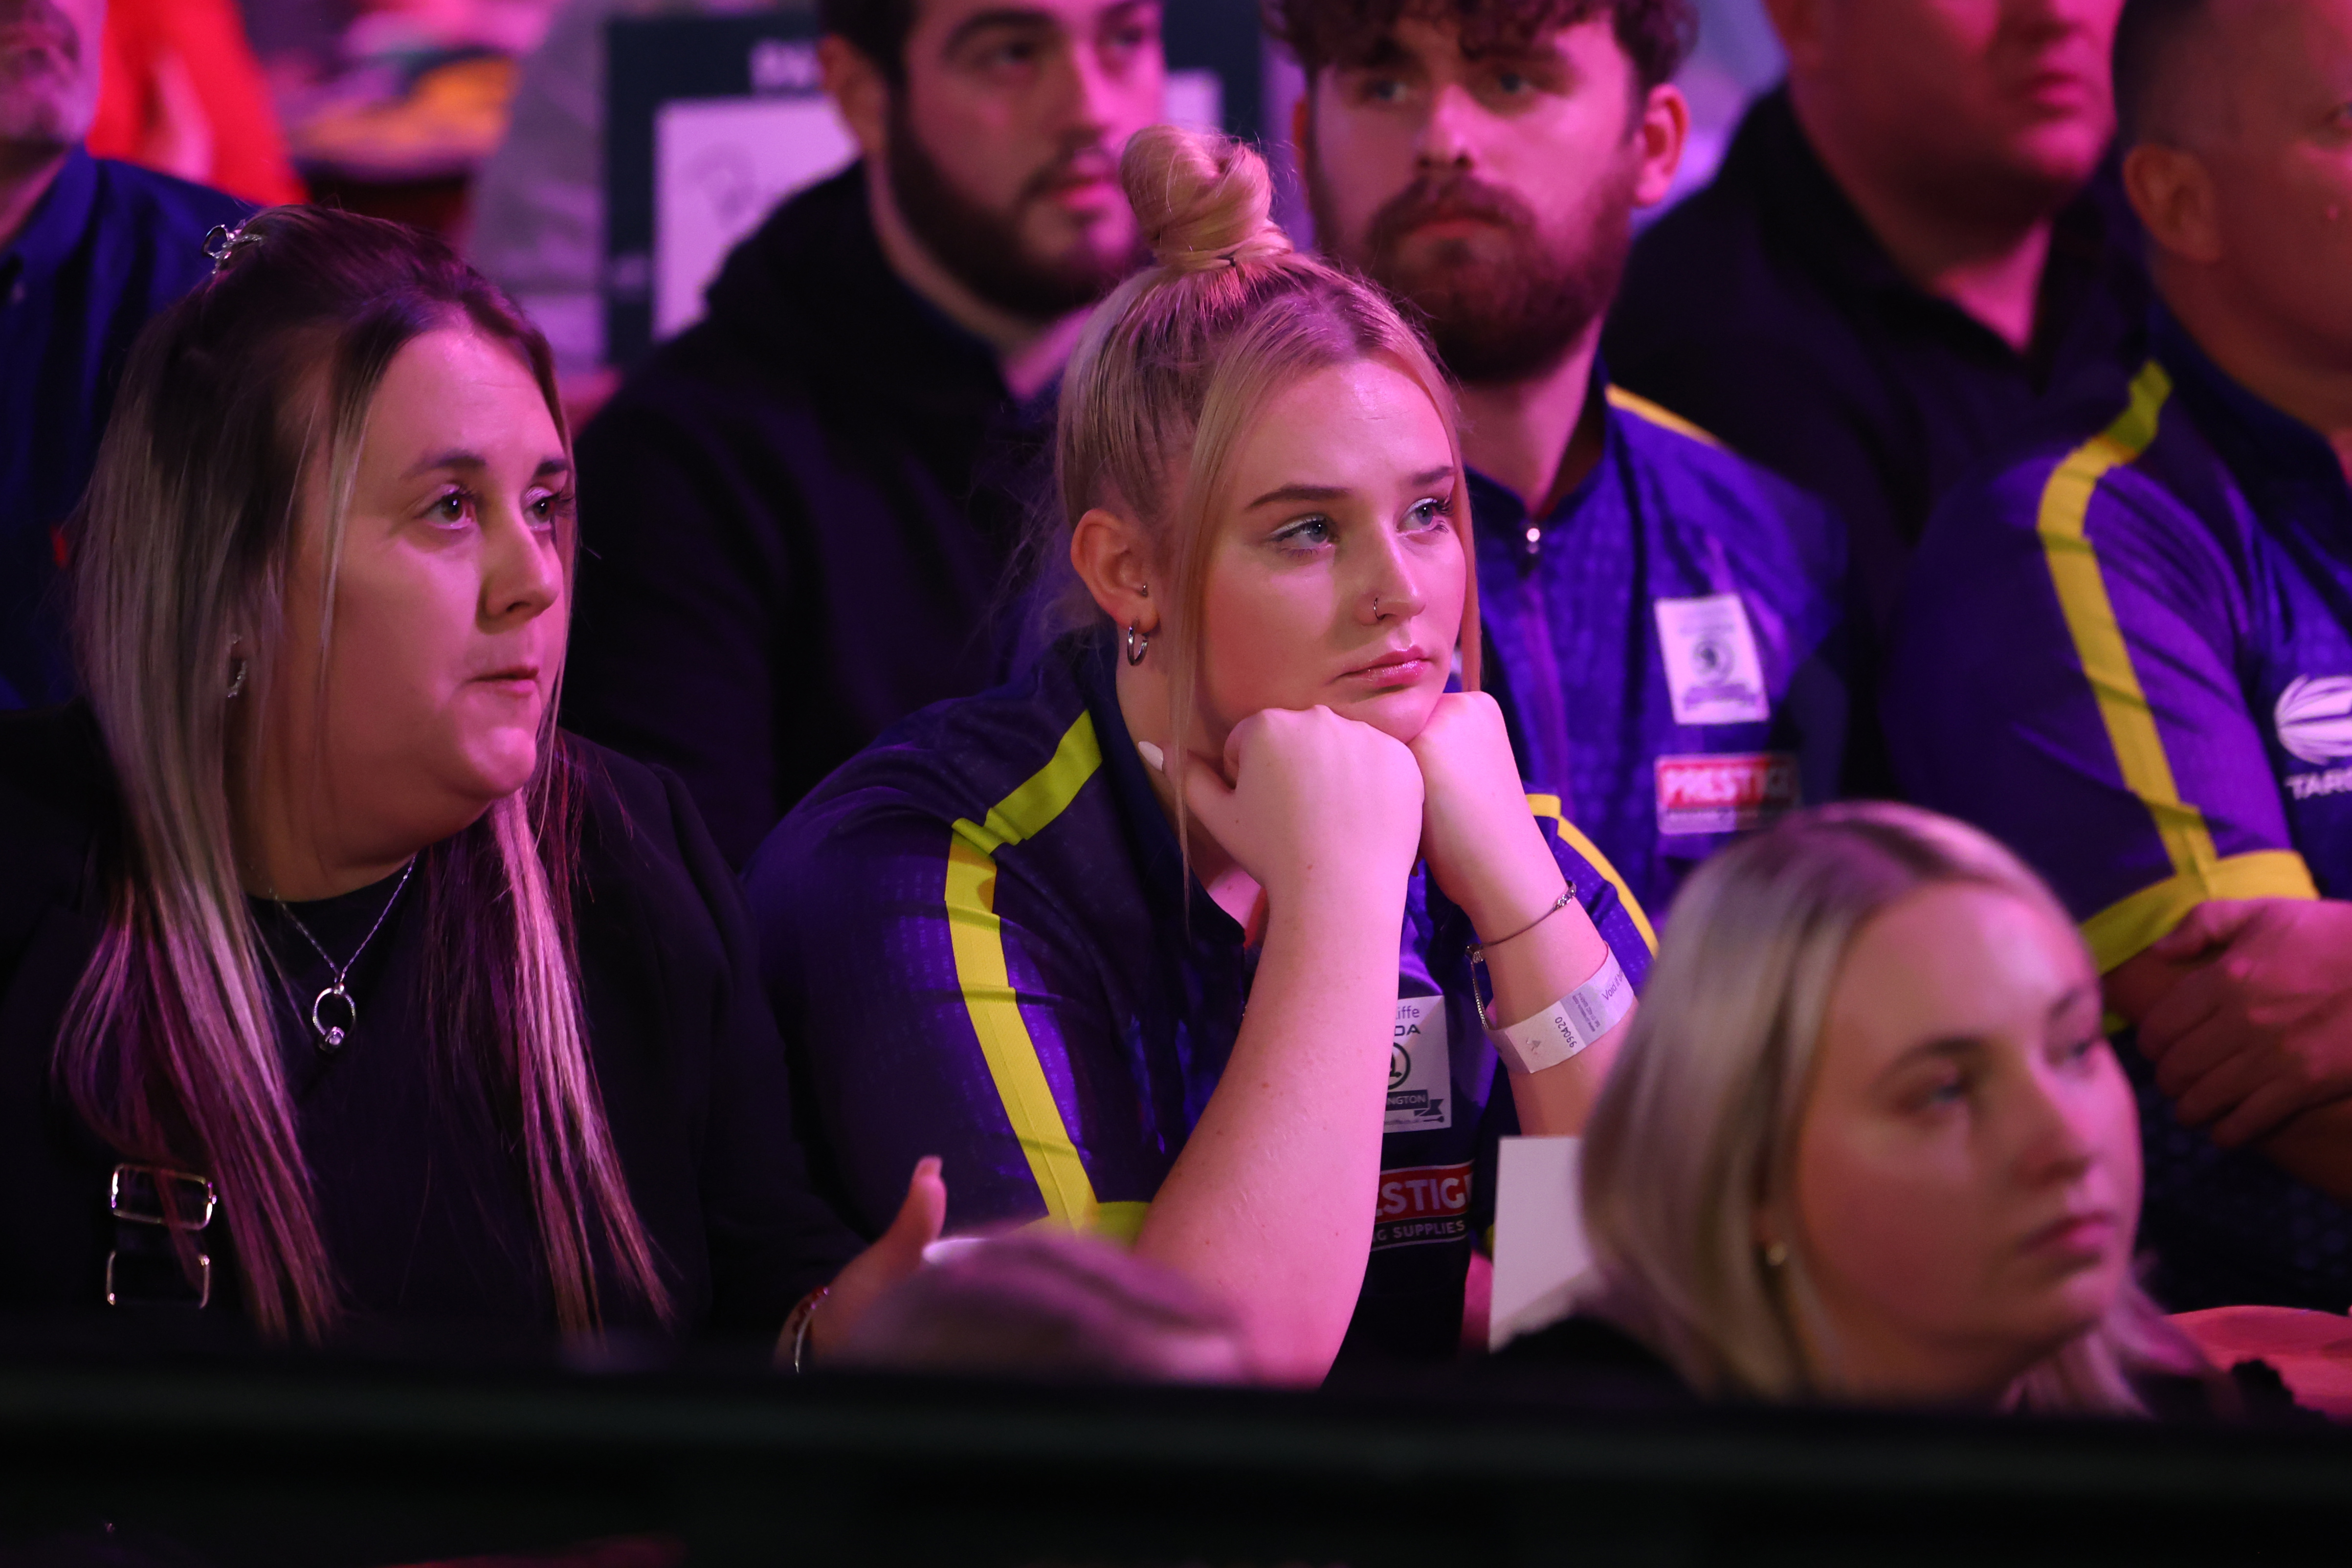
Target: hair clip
(222, 242)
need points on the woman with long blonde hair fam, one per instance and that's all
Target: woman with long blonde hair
(337, 987)
(1023, 928)
(1867, 1141)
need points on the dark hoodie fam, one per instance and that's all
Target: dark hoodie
(787, 540)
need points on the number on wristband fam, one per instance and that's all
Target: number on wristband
(1570, 1026)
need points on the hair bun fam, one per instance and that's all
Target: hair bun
(1203, 199)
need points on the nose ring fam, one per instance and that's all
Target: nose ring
(1376, 607)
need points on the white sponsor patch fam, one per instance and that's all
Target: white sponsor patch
(1420, 1072)
(2314, 716)
(1712, 670)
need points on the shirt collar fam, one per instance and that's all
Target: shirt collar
(2266, 447)
(1812, 212)
(58, 219)
(1501, 522)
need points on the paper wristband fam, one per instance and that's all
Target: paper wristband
(1570, 1024)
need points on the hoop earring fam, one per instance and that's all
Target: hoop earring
(1137, 644)
(236, 682)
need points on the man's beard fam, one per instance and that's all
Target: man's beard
(982, 250)
(1495, 319)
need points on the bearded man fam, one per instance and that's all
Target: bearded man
(1663, 619)
(796, 515)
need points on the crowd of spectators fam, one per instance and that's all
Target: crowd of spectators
(1061, 716)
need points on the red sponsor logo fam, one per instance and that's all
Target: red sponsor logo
(1422, 1204)
(1725, 792)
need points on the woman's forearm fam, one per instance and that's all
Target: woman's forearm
(1272, 1200)
(1532, 967)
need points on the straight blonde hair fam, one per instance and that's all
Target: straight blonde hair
(1175, 366)
(185, 541)
(1696, 1130)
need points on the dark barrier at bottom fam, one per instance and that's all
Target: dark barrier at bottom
(138, 1460)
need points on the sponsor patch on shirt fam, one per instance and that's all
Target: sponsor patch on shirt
(1725, 793)
(1421, 1074)
(1422, 1205)
(2314, 716)
(1712, 670)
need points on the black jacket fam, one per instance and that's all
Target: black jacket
(786, 547)
(1766, 310)
(427, 1221)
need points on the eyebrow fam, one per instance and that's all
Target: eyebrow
(1003, 16)
(1961, 1044)
(1293, 495)
(460, 458)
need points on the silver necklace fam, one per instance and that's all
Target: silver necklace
(332, 1035)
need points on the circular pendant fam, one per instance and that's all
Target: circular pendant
(332, 1035)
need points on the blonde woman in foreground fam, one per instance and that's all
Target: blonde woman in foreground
(1867, 1142)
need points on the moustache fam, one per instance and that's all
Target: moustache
(1089, 162)
(1456, 197)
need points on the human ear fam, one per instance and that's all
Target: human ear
(1113, 558)
(2173, 193)
(859, 91)
(1664, 131)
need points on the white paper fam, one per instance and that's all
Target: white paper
(1541, 1260)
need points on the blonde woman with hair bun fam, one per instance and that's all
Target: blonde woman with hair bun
(1867, 1142)
(1169, 939)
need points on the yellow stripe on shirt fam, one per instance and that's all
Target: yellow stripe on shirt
(1547, 806)
(2129, 927)
(977, 939)
(2126, 928)
(1642, 408)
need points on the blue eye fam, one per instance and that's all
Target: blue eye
(1429, 514)
(1307, 534)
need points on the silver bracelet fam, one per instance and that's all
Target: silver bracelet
(1567, 897)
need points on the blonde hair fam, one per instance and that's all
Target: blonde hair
(1696, 1129)
(186, 538)
(1175, 365)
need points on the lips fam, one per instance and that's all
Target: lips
(2085, 1236)
(1397, 667)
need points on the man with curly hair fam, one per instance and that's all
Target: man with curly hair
(1664, 618)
